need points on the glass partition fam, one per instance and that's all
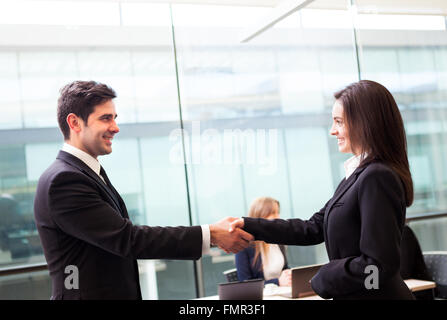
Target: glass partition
(404, 47)
(259, 115)
(136, 59)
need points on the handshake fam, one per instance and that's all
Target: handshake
(228, 235)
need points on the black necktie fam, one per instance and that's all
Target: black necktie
(103, 174)
(115, 194)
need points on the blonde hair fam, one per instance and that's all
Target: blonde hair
(262, 207)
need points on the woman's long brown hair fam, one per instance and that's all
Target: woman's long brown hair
(376, 128)
(262, 208)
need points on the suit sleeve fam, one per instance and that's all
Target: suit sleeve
(244, 270)
(274, 281)
(78, 210)
(382, 208)
(288, 232)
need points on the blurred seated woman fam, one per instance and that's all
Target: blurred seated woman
(262, 260)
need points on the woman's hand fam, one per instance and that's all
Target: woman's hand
(239, 223)
(285, 279)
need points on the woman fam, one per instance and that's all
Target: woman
(262, 260)
(362, 223)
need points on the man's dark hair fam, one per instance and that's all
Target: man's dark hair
(80, 98)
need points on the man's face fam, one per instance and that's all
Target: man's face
(97, 134)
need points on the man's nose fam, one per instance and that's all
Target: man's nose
(115, 128)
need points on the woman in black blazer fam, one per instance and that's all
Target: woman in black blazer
(262, 260)
(362, 223)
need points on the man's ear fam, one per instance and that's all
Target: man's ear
(74, 122)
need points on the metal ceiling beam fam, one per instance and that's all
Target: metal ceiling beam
(280, 12)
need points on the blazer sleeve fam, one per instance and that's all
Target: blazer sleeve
(243, 266)
(246, 270)
(274, 281)
(382, 211)
(288, 232)
(77, 208)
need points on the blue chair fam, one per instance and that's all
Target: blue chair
(436, 262)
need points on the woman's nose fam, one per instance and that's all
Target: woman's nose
(333, 131)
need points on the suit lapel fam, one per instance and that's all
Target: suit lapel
(341, 190)
(80, 165)
(119, 200)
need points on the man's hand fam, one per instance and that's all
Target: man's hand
(233, 241)
(236, 223)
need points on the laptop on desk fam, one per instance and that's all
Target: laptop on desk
(241, 290)
(301, 281)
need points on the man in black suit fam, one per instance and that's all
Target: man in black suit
(83, 222)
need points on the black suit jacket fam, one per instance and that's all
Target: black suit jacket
(83, 222)
(361, 225)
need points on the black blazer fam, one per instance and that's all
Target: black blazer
(361, 225)
(83, 222)
(247, 270)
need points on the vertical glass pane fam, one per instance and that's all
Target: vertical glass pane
(137, 61)
(19, 241)
(10, 106)
(408, 57)
(431, 233)
(264, 107)
(42, 74)
(26, 286)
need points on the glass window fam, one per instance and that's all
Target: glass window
(10, 106)
(408, 60)
(275, 94)
(256, 115)
(138, 63)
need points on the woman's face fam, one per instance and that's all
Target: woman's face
(340, 129)
(275, 213)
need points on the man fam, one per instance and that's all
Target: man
(82, 221)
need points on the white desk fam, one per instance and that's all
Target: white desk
(274, 293)
(280, 293)
(419, 285)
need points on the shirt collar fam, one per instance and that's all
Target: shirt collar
(351, 164)
(91, 162)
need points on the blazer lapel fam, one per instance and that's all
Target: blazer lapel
(118, 200)
(338, 193)
(80, 165)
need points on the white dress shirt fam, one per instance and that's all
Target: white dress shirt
(94, 164)
(351, 164)
(273, 262)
